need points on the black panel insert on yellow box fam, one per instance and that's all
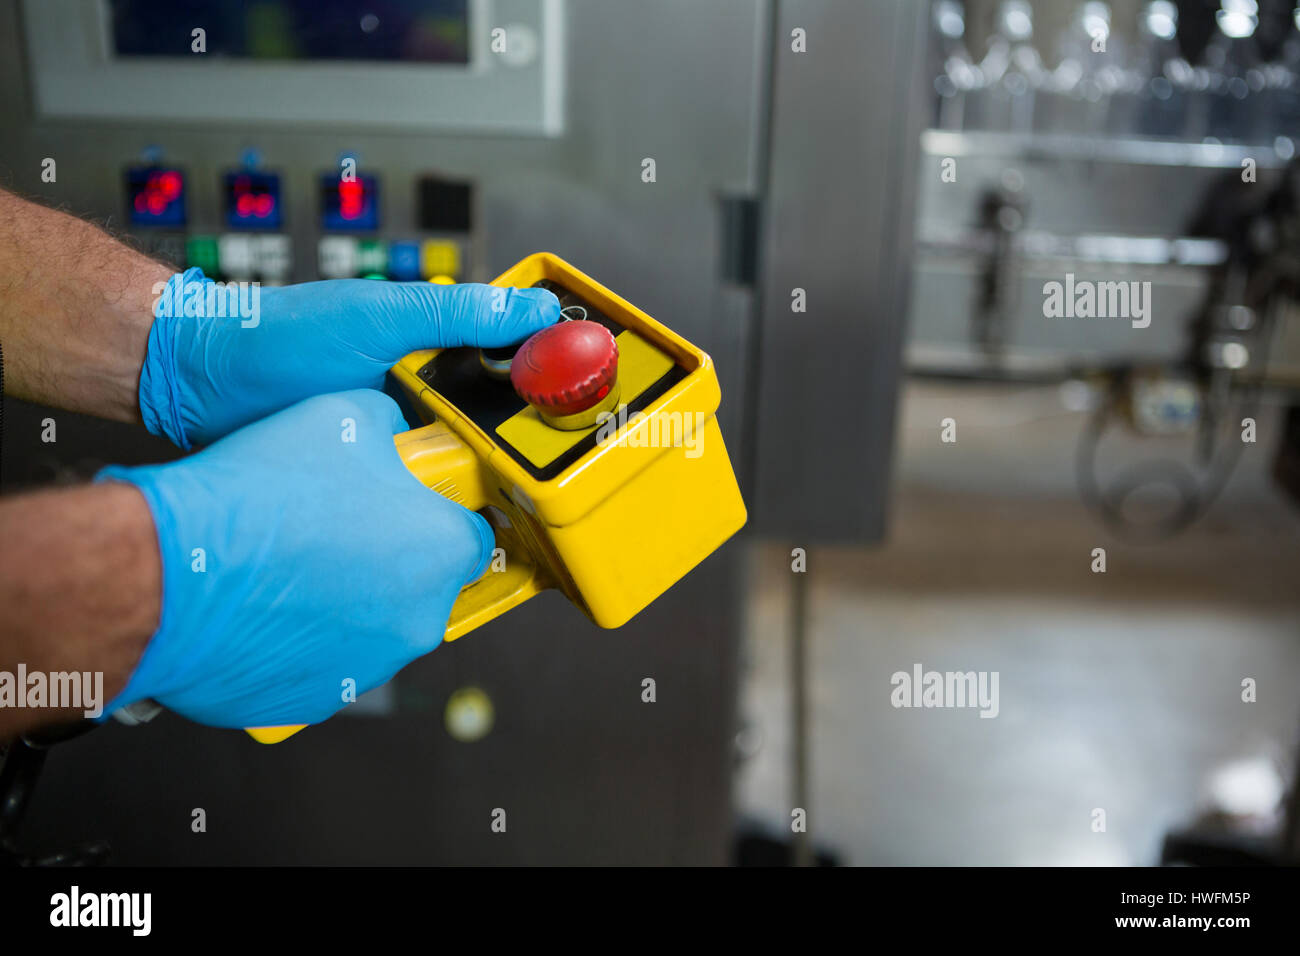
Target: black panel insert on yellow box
(491, 403)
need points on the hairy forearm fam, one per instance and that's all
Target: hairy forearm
(80, 585)
(75, 310)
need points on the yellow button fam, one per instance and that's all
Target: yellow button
(468, 715)
(439, 257)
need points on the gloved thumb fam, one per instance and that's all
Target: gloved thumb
(469, 314)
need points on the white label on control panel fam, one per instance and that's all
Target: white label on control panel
(235, 253)
(273, 257)
(338, 257)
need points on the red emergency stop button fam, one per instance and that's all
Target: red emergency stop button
(568, 372)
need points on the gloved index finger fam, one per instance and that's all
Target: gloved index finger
(473, 314)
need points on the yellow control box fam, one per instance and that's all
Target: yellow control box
(613, 514)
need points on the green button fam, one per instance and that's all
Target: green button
(201, 251)
(372, 256)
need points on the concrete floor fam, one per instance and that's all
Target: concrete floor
(1119, 691)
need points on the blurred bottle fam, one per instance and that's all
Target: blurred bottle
(1233, 64)
(1279, 100)
(1098, 85)
(1160, 113)
(1012, 72)
(954, 70)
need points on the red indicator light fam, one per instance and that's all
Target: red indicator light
(252, 205)
(249, 206)
(253, 199)
(159, 190)
(352, 197)
(349, 202)
(169, 184)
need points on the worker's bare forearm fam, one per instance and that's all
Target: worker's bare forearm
(75, 310)
(80, 587)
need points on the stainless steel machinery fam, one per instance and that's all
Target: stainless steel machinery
(1135, 149)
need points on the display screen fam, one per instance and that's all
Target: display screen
(252, 200)
(155, 196)
(349, 205)
(423, 31)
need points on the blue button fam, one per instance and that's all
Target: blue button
(404, 260)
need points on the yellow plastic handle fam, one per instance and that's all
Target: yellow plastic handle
(445, 464)
(436, 455)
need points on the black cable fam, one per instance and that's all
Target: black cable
(18, 774)
(1264, 244)
(1195, 495)
(20, 770)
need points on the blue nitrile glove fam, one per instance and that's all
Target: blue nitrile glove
(221, 356)
(297, 554)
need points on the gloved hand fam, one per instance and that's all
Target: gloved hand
(205, 374)
(297, 553)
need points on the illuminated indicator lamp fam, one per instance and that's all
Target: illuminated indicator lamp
(155, 196)
(254, 207)
(352, 200)
(351, 204)
(252, 200)
(160, 191)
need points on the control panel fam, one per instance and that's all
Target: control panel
(250, 240)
